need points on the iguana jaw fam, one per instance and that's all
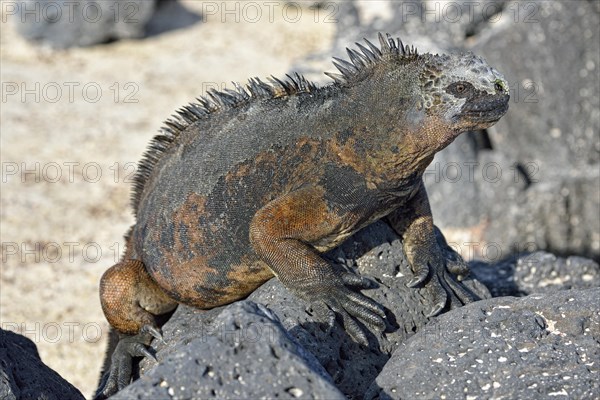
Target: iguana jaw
(483, 111)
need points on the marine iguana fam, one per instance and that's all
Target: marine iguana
(258, 181)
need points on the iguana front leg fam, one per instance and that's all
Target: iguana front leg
(431, 264)
(288, 233)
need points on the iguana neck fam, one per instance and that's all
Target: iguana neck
(388, 139)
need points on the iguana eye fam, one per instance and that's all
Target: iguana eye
(460, 89)
(499, 86)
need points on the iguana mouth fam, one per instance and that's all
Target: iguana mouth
(486, 109)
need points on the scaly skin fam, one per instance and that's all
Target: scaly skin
(259, 182)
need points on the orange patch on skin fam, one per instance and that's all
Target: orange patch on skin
(195, 281)
(291, 168)
(184, 276)
(387, 161)
(346, 152)
(187, 215)
(242, 170)
(435, 135)
(289, 215)
(285, 231)
(305, 172)
(246, 277)
(242, 280)
(179, 276)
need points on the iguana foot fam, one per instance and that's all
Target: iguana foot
(335, 297)
(121, 364)
(440, 267)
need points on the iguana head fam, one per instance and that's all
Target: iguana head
(428, 98)
(462, 90)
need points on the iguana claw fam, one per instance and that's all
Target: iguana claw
(421, 271)
(152, 331)
(350, 306)
(121, 365)
(442, 284)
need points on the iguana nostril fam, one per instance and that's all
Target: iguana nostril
(499, 86)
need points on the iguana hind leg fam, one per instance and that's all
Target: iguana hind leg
(131, 301)
(130, 298)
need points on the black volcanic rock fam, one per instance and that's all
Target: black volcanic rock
(23, 375)
(538, 346)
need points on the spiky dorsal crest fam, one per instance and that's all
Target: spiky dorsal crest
(360, 66)
(215, 101)
(361, 63)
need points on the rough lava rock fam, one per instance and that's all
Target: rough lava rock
(23, 375)
(243, 352)
(538, 272)
(539, 346)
